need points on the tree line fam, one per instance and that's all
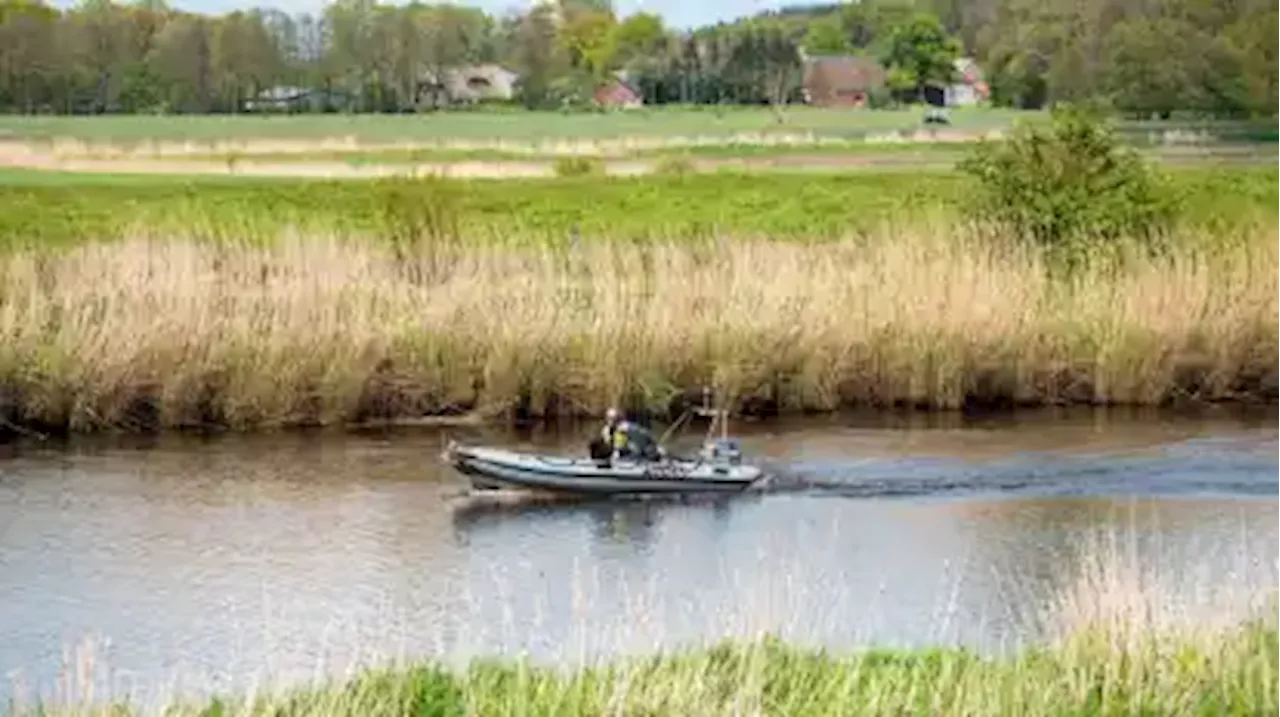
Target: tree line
(1141, 57)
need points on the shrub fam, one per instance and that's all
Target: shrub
(1068, 185)
(578, 166)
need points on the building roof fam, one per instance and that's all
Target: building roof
(968, 70)
(845, 72)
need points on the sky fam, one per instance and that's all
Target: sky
(675, 13)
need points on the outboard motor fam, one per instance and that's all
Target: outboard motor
(724, 449)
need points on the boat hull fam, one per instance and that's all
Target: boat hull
(493, 469)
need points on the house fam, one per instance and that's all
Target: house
(288, 98)
(969, 87)
(467, 85)
(841, 80)
(618, 93)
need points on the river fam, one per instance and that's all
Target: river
(185, 564)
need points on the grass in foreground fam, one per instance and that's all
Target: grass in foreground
(1229, 674)
(312, 330)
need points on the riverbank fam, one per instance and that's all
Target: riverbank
(1111, 646)
(1233, 673)
(143, 334)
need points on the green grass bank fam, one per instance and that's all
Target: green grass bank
(1094, 673)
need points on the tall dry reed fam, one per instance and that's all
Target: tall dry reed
(321, 330)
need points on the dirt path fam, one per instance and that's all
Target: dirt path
(490, 169)
(23, 156)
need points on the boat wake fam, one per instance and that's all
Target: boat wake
(1175, 470)
(1182, 469)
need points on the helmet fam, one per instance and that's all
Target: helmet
(611, 414)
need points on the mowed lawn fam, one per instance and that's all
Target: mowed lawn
(519, 125)
(511, 124)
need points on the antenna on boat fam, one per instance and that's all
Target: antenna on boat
(719, 416)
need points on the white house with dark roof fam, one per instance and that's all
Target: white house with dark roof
(969, 87)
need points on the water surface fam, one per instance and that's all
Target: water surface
(197, 564)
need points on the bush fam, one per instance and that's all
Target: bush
(578, 166)
(1068, 185)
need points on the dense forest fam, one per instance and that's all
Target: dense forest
(1139, 57)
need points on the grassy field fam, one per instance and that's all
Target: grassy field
(519, 124)
(514, 144)
(725, 148)
(53, 208)
(513, 124)
(942, 151)
(39, 209)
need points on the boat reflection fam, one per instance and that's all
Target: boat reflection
(614, 519)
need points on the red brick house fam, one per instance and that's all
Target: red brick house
(841, 81)
(617, 93)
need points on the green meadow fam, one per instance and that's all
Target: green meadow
(494, 123)
(62, 209)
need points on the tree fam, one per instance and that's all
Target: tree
(100, 46)
(183, 58)
(920, 53)
(764, 63)
(1256, 46)
(1144, 74)
(826, 36)
(781, 75)
(589, 41)
(348, 56)
(245, 61)
(640, 36)
(28, 59)
(569, 9)
(536, 56)
(1144, 57)
(868, 23)
(451, 36)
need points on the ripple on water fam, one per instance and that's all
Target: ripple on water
(233, 560)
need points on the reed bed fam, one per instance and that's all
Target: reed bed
(320, 330)
(1120, 641)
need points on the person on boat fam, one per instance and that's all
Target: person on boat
(603, 447)
(622, 439)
